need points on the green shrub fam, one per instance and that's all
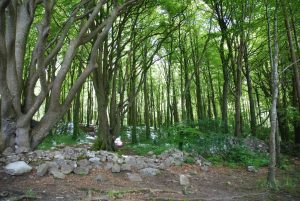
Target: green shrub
(190, 160)
(243, 156)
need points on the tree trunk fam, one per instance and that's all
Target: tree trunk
(238, 88)
(211, 86)
(250, 93)
(295, 65)
(273, 111)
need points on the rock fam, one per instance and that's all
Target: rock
(112, 158)
(184, 180)
(120, 160)
(66, 169)
(59, 155)
(108, 166)
(125, 167)
(130, 160)
(162, 166)
(8, 151)
(91, 154)
(17, 168)
(199, 162)
(150, 153)
(53, 166)
(134, 177)
(13, 158)
(95, 160)
(255, 144)
(149, 172)
(251, 169)
(20, 150)
(58, 175)
(82, 170)
(116, 168)
(83, 163)
(204, 168)
(103, 159)
(207, 163)
(101, 178)
(140, 163)
(72, 163)
(60, 162)
(42, 169)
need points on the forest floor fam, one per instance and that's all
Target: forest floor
(218, 183)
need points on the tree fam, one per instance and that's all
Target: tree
(273, 111)
(19, 97)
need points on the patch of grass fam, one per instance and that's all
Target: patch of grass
(287, 183)
(57, 139)
(216, 159)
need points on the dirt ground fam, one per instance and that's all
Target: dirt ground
(218, 183)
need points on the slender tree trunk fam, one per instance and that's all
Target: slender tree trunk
(273, 111)
(175, 108)
(146, 108)
(211, 87)
(250, 93)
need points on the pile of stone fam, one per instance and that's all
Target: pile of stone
(67, 160)
(255, 144)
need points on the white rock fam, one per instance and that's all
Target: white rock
(184, 180)
(251, 169)
(116, 168)
(17, 168)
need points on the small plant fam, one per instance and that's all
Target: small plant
(190, 160)
(30, 193)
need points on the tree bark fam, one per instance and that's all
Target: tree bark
(273, 111)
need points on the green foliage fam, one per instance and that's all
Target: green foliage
(61, 134)
(209, 125)
(190, 160)
(53, 140)
(97, 144)
(239, 156)
(30, 193)
(243, 156)
(173, 7)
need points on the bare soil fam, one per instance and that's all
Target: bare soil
(218, 183)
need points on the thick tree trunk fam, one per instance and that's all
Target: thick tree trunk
(225, 87)
(238, 89)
